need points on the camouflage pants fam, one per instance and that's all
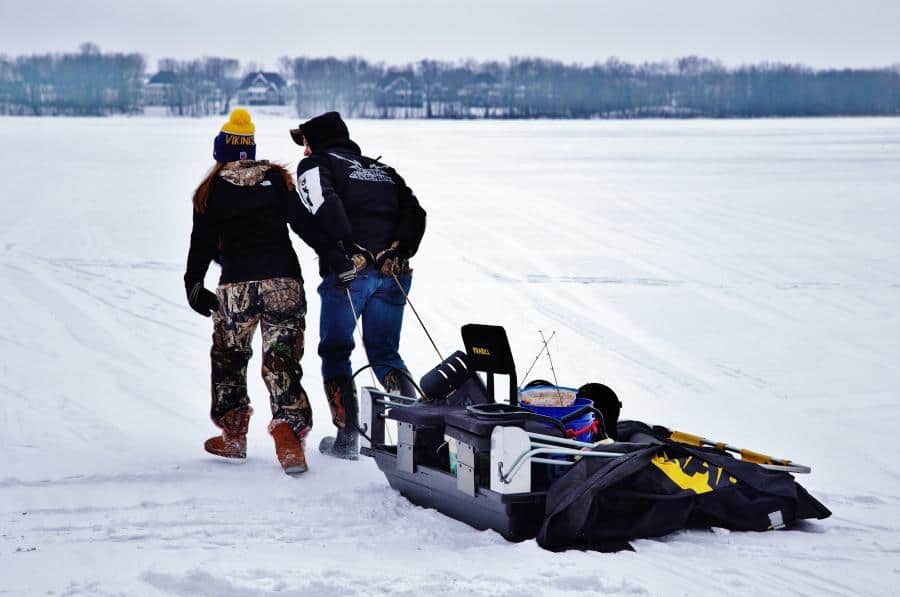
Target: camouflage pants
(279, 306)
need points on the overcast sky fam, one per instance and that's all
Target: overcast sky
(819, 33)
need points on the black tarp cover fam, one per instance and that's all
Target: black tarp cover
(659, 487)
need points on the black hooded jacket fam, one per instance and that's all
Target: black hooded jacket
(244, 228)
(351, 200)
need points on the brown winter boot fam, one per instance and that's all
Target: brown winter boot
(233, 441)
(288, 447)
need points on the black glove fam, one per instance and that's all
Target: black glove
(345, 277)
(202, 300)
(345, 270)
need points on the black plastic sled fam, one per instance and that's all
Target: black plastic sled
(503, 467)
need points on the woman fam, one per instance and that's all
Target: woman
(240, 220)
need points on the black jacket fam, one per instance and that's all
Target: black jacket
(245, 229)
(354, 201)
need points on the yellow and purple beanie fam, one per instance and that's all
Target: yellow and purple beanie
(235, 141)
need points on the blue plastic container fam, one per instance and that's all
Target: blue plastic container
(582, 424)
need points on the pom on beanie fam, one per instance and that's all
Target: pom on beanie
(236, 141)
(239, 123)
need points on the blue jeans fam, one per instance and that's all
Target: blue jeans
(378, 300)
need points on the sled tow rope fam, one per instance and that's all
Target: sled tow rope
(421, 323)
(356, 324)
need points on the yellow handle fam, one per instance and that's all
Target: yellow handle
(686, 438)
(756, 457)
(746, 455)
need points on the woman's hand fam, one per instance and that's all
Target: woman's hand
(202, 300)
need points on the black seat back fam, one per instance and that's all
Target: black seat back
(488, 351)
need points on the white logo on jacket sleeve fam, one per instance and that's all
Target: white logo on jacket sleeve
(310, 188)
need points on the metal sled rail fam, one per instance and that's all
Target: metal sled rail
(528, 457)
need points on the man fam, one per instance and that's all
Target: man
(365, 224)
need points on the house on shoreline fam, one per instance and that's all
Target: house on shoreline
(263, 88)
(158, 90)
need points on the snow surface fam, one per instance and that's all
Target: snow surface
(739, 279)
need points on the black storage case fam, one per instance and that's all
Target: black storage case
(418, 467)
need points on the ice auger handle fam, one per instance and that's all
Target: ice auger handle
(686, 438)
(764, 460)
(757, 458)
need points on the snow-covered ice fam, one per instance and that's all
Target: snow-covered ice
(739, 279)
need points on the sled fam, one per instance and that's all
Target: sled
(492, 465)
(491, 486)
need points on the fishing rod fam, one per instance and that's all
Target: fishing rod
(550, 358)
(540, 352)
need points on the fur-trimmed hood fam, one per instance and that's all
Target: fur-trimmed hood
(248, 173)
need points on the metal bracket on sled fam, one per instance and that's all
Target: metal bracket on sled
(514, 450)
(366, 419)
(465, 468)
(373, 405)
(507, 445)
(406, 441)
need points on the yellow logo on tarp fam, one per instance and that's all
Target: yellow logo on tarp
(689, 473)
(482, 351)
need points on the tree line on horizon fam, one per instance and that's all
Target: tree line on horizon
(90, 82)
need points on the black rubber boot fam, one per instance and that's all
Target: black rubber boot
(342, 397)
(398, 382)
